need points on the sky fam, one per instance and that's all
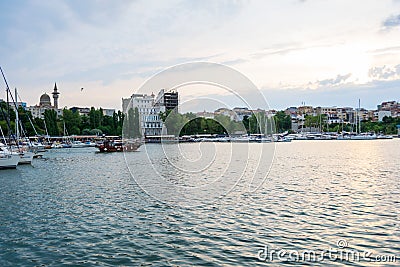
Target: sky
(323, 53)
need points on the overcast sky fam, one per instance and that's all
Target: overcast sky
(319, 52)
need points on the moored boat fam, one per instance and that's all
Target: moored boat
(77, 144)
(363, 136)
(39, 147)
(8, 160)
(382, 136)
(25, 157)
(119, 146)
(90, 144)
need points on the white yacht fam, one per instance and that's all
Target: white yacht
(8, 160)
(90, 144)
(363, 136)
(382, 136)
(25, 157)
(78, 144)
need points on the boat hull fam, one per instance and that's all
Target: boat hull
(8, 161)
(26, 158)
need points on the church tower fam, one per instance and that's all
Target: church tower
(55, 96)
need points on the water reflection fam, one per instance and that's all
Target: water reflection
(80, 208)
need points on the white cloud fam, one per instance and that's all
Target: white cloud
(110, 46)
(385, 73)
(391, 22)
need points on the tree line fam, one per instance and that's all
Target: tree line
(388, 125)
(258, 123)
(70, 122)
(96, 123)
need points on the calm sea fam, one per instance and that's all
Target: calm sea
(206, 205)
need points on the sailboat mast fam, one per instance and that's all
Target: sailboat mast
(45, 127)
(2, 134)
(359, 117)
(356, 119)
(9, 93)
(7, 118)
(18, 97)
(16, 119)
(8, 106)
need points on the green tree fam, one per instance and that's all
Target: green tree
(50, 118)
(283, 122)
(93, 118)
(136, 124)
(131, 125)
(85, 123)
(246, 123)
(72, 121)
(174, 122)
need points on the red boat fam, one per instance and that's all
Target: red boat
(118, 146)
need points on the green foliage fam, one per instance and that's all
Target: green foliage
(282, 121)
(5, 108)
(72, 121)
(50, 119)
(178, 124)
(4, 127)
(388, 125)
(86, 131)
(201, 126)
(187, 124)
(175, 122)
(95, 117)
(95, 132)
(131, 126)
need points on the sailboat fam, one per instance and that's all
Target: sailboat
(8, 160)
(66, 142)
(36, 147)
(24, 155)
(360, 135)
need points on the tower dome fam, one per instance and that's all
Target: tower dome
(45, 100)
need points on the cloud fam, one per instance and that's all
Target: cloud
(284, 49)
(110, 44)
(385, 50)
(338, 80)
(344, 95)
(392, 21)
(384, 73)
(234, 61)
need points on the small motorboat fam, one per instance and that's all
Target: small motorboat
(119, 146)
(77, 144)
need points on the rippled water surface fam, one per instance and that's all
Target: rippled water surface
(77, 207)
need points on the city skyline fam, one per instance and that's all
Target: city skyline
(326, 54)
(211, 107)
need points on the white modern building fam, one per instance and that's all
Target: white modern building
(384, 113)
(108, 112)
(149, 112)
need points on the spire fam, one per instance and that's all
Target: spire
(55, 95)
